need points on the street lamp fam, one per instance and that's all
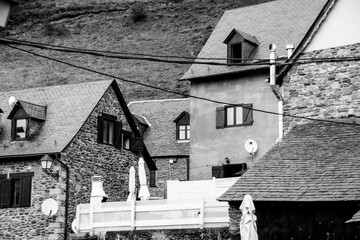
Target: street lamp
(5, 8)
(46, 163)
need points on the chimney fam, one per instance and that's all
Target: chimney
(1, 113)
(97, 192)
(289, 49)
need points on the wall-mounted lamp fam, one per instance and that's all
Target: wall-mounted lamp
(46, 164)
(227, 160)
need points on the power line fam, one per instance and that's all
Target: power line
(282, 61)
(177, 93)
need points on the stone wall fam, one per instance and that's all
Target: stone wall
(326, 89)
(85, 158)
(30, 222)
(178, 170)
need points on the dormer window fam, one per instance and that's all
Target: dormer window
(183, 126)
(240, 45)
(21, 129)
(26, 118)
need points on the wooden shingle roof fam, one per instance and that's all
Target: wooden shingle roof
(280, 22)
(314, 162)
(160, 136)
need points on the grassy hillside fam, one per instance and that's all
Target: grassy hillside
(171, 27)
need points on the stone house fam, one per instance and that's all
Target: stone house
(79, 127)
(166, 132)
(240, 42)
(309, 180)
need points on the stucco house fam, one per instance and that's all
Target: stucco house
(165, 125)
(240, 41)
(79, 128)
(309, 181)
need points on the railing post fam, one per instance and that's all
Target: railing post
(202, 213)
(132, 216)
(91, 219)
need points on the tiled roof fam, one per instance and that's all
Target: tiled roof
(68, 106)
(314, 162)
(280, 22)
(160, 136)
(355, 218)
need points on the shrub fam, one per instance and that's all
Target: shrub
(55, 30)
(138, 12)
(159, 236)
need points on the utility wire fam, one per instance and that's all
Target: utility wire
(177, 93)
(282, 61)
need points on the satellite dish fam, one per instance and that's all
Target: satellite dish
(251, 146)
(12, 100)
(75, 225)
(49, 207)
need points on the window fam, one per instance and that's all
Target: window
(20, 128)
(235, 53)
(183, 132)
(152, 179)
(183, 126)
(234, 115)
(109, 130)
(15, 190)
(126, 135)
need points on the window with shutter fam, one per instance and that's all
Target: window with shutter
(152, 179)
(234, 115)
(15, 191)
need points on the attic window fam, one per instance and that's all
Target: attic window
(21, 128)
(183, 126)
(26, 119)
(240, 46)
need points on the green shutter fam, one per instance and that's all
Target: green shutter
(118, 136)
(247, 114)
(220, 117)
(5, 192)
(25, 192)
(100, 126)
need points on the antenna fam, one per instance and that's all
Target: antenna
(251, 146)
(12, 101)
(49, 207)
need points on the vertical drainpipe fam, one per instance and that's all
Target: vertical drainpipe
(274, 89)
(278, 93)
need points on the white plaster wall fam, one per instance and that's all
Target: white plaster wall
(341, 26)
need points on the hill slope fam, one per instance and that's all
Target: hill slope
(177, 28)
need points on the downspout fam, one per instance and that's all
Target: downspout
(66, 197)
(278, 93)
(275, 90)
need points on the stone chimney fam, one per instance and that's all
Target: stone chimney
(97, 192)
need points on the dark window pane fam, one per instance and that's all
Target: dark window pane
(16, 192)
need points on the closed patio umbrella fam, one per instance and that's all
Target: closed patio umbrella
(144, 191)
(131, 196)
(248, 219)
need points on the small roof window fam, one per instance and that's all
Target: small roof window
(240, 46)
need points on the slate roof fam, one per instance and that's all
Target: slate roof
(355, 218)
(68, 106)
(34, 110)
(281, 22)
(160, 136)
(314, 162)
